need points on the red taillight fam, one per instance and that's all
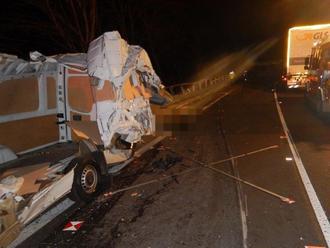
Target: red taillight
(313, 78)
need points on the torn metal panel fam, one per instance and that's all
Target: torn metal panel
(46, 197)
(106, 56)
(131, 119)
(111, 60)
(27, 191)
(31, 174)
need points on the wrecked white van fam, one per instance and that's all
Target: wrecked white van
(101, 99)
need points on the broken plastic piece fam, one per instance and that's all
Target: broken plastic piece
(288, 159)
(18, 198)
(73, 226)
(10, 185)
(108, 194)
(37, 56)
(287, 200)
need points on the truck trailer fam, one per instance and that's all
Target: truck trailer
(318, 84)
(299, 46)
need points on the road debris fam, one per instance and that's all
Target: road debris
(243, 155)
(108, 195)
(165, 160)
(288, 159)
(73, 226)
(209, 166)
(135, 194)
(282, 198)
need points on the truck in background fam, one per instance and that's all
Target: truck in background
(318, 84)
(299, 46)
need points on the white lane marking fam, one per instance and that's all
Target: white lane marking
(239, 190)
(315, 202)
(241, 207)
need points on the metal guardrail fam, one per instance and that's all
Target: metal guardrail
(188, 88)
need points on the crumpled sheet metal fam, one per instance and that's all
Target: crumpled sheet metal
(18, 184)
(110, 58)
(46, 197)
(131, 119)
(11, 65)
(106, 56)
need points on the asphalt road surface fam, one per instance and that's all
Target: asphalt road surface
(204, 208)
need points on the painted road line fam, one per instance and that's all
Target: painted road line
(239, 189)
(314, 200)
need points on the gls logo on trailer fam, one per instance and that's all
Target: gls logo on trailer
(313, 36)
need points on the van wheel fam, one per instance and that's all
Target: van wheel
(87, 182)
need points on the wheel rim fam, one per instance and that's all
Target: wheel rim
(89, 179)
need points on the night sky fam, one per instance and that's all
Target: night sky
(180, 36)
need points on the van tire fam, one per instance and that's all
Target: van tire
(87, 181)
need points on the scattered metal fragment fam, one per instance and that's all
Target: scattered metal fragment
(282, 198)
(108, 195)
(203, 165)
(288, 200)
(209, 166)
(243, 155)
(288, 159)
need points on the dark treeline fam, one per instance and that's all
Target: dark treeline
(179, 35)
